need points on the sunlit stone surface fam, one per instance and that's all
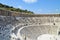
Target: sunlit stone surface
(48, 37)
(29, 28)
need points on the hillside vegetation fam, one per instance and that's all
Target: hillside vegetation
(6, 7)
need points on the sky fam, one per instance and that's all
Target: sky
(37, 6)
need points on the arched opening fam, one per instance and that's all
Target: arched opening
(53, 23)
(59, 33)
